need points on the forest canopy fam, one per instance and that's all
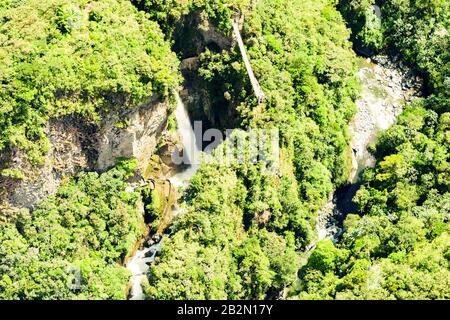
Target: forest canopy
(245, 232)
(73, 244)
(62, 57)
(397, 244)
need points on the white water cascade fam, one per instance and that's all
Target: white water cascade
(139, 263)
(191, 148)
(138, 266)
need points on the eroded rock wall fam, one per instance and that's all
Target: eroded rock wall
(75, 146)
(132, 135)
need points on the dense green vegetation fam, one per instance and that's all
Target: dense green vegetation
(244, 224)
(397, 246)
(73, 244)
(62, 57)
(417, 30)
(169, 13)
(246, 228)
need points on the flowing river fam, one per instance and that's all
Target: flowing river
(139, 263)
(386, 86)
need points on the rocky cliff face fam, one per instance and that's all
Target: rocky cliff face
(386, 86)
(71, 150)
(196, 93)
(76, 146)
(210, 34)
(137, 138)
(194, 33)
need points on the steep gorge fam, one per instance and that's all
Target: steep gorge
(387, 85)
(108, 194)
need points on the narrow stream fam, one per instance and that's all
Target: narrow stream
(139, 263)
(386, 86)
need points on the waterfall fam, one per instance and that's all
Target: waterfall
(191, 149)
(139, 264)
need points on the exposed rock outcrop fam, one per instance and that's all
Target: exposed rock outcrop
(76, 146)
(71, 149)
(171, 144)
(203, 34)
(195, 32)
(210, 33)
(387, 86)
(137, 137)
